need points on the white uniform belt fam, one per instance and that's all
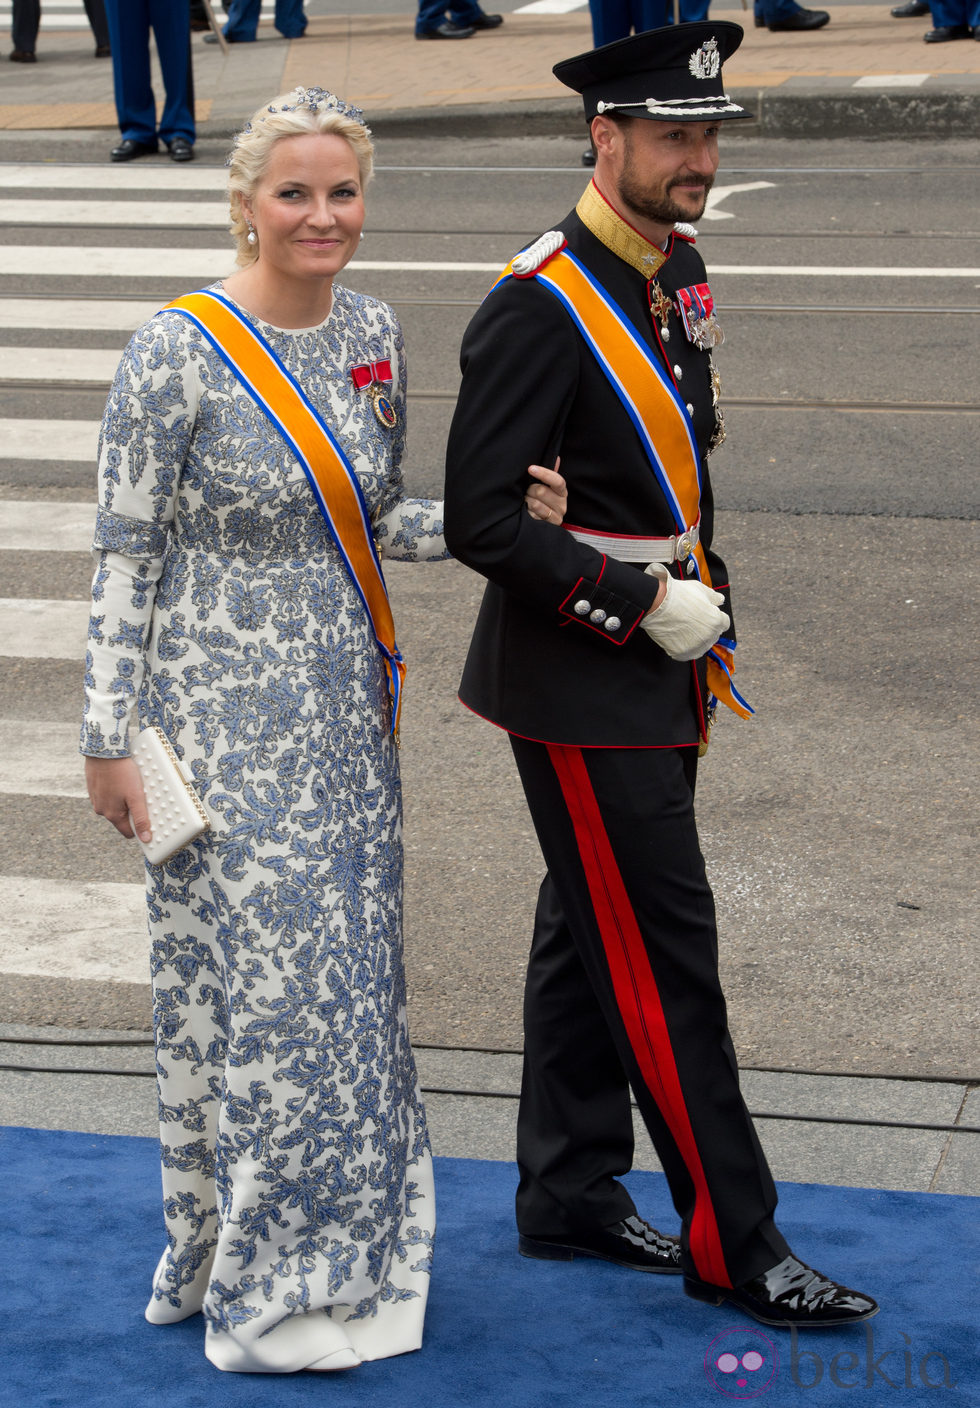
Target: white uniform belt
(626, 548)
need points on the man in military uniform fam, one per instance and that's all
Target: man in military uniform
(602, 647)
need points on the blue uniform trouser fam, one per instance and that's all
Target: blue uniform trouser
(432, 13)
(615, 19)
(771, 11)
(130, 22)
(948, 13)
(243, 19)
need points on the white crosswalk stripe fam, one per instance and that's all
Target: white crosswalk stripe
(180, 214)
(80, 314)
(20, 176)
(40, 758)
(45, 527)
(49, 439)
(43, 630)
(551, 7)
(63, 364)
(53, 929)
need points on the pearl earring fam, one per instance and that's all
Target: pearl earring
(252, 237)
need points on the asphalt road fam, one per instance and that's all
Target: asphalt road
(839, 824)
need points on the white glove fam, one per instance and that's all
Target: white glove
(687, 622)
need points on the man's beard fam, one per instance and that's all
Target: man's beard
(658, 207)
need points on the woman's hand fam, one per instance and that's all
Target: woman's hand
(115, 790)
(547, 500)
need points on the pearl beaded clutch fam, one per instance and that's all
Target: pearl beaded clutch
(177, 815)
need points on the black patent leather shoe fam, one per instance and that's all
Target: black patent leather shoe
(943, 33)
(632, 1242)
(180, 149)
(483, 21)
(911, 10)
(803, 19)
(447, 31)
(789, 1294)
(129, 150)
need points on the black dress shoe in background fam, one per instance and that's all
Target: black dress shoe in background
(943, 33)
(789, 1294)
(103, 51)
(911, 10)
(180, 149)
(23, 56)
(128, 150)
(632, 1242)
(803, 19)
(483, 21)
(447, 31)
(588, 157)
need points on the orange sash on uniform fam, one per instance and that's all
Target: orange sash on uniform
(659, 416)
(331, 475)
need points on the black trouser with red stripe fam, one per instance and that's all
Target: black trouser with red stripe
(623, 990)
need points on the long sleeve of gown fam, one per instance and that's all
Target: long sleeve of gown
(143, 442)
(406, 530)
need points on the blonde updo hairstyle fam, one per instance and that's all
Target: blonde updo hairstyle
(296, 114)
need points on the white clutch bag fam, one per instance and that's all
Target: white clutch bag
(177, 814)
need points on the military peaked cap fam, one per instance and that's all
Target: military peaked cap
(670, 75)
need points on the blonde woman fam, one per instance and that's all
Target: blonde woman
(250, 458)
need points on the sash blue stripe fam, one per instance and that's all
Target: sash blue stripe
(731, 683)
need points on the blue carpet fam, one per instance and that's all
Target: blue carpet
(82, 1233)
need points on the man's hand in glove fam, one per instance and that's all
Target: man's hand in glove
(687, 621)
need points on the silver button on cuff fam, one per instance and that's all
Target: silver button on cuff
(598, 616)
(582, 608)
(613, 623)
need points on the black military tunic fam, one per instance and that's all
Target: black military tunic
(533, 389)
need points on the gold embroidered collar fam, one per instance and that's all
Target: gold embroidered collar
(597, 215)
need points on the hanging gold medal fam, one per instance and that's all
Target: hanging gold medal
(661, 307)
(382, 406)
(374, 379)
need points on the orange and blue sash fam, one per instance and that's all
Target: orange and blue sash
(657, 412)
(330, 473)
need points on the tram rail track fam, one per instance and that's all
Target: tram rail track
(475, 1090)
(782, 403)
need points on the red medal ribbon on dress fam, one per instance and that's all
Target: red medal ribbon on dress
(366, 373)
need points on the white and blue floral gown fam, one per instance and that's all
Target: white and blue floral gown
(296, 1167)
